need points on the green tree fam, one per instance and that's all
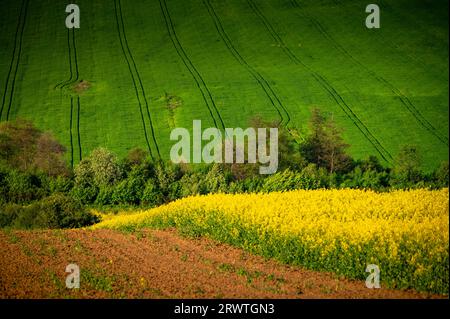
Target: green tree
(136, 157)
(324, 146)
(26, 148)
(100, 168)
(407, 165)
(288, 151)
(441, 175)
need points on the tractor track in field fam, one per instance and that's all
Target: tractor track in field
(71, 42)
(268, 90)
(324, 83)
(118, 5)
(384, 153)
(73, 69)
(70, 62)
(134, 83)
(405, 101)
(18, 36)
(206, 93)
(273, 33)
(140, 94)
(77, 129)
(70, 132)
(80, 154)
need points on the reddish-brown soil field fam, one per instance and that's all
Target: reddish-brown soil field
(158, 264)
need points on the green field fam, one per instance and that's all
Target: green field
(149, 66)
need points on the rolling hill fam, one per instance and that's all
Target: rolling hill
(137, 69)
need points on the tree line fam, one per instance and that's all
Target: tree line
(39, 190)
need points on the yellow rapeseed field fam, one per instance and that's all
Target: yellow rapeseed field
(405, 233)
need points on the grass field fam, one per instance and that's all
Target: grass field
(137, 69)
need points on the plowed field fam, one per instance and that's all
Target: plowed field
(158, 264)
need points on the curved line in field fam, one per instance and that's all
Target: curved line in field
(70, 132)
(139, 78)
(19, 22)
(384, 153)
(201, 84)
(133, 80)
(324, 83)
(75, 62)
(405, 101)
(78, 128)
(70, 62)
(18, 60)
(255, 74)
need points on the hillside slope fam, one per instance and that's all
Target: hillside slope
(135, 70)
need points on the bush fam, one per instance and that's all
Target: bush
(22, 188)
(105, 167)
(27, 149)
(369, 179)
(441, 175)
(61, 211)
(151, 195)
(8, 213)
(215, 179)
(100, 168)
(60, 184)
(406, 172)
(105, 196)
(168, 178)
(314, 177)
(248, 185)
(129, 191)
(192, 184)
(282, 181)
(85, 194)
(55, 211)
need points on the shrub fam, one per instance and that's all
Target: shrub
(407, 170)
(60, 184)
(100, 168)
(136, 157)
(151, 195)
(282, 181)
(105, 167)
(85, 194)
(441, 175)
(129, 191)
(215, 179)
(27, 149)
(55, 211)
(314, 177)
(84, 174)
(105, 196)
(192, 184)
(61, 211)
(21, 187)
(248, 185)
(8, 213)
(168, 177)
